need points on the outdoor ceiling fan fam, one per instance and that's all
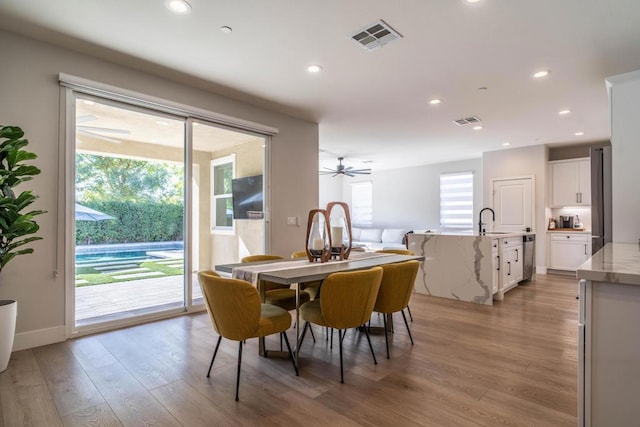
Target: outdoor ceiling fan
(342, 170)
(93, 130)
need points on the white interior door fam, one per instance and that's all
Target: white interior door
(513, 204)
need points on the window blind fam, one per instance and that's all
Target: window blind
(362, 203)
(456, 200)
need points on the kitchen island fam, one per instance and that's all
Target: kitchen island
(609, 337)
(467, 266)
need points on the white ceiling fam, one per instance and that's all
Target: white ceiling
(374, 105)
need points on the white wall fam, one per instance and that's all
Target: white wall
(625, 148)
(407, 197)
(521, 162)
(30, 99)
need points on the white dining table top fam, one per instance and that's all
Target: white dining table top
(302, 270)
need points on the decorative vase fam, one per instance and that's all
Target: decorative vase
(8, 313)
(318, 243)
(338, 213)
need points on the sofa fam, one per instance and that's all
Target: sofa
(378, 238)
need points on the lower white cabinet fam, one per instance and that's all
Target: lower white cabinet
(511, 262)
(567, 251)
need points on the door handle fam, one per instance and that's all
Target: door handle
(517, 257)
(577, 199)
(498, 263)
(585, 249)
(509, 264)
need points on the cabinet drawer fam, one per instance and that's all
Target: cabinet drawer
(584, 238)
(509, 242)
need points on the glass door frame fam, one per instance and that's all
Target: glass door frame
(70, 91)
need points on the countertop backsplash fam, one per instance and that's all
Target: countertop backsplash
(583, 212)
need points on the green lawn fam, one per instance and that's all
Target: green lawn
(89, 276)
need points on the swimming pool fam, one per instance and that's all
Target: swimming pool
(123, 252)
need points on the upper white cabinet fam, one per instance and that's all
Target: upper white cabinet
(570, 183)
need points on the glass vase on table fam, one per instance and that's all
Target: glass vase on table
(340, 220)
(318, 242)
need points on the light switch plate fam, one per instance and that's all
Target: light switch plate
(293, 220)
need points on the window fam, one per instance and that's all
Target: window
(222, 173)
(456, 200)
(362, 203)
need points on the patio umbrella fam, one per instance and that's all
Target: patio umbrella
(84, 213)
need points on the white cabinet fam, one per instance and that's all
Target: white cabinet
(511, 262)
(570, 183)
(567, 251)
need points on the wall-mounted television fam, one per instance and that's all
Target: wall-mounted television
(247, 197)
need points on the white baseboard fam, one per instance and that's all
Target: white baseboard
(30, 339)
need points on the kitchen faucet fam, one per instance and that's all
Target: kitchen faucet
(480, 223)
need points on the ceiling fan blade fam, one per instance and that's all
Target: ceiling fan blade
(98, 136)
(86, 118)
(106, 130)
(365, 171)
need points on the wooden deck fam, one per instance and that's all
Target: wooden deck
(513, 363)
(123, 299)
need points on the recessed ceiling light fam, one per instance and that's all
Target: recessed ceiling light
(506, 144)
(314, 68)
(435, 101)
(477, 127)
(579, 133)
(181, 7)
(540, 74)
(470, 1)
(564, 112)
(226, 29)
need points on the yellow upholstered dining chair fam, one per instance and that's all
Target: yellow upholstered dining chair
(395, 291)
(275, 293)
(399, 252)
(346, 301)
(237, 314)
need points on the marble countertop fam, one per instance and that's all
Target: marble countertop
(615, 263)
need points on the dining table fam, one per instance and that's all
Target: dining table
(294, 272)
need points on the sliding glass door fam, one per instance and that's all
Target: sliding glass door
(153, 205)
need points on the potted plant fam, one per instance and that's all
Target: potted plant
(16, 224)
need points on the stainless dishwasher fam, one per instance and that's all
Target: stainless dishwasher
(528, 252)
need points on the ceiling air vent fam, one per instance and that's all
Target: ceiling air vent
(467, 121)
(376, 35)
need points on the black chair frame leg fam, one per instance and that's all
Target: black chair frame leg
(312, 334)
(304, 333)
(375, 362)
(407, 325)
(410, 315)
(341, 368)
(386, 334)
(239, 365)
(214, 356)
(286, 340)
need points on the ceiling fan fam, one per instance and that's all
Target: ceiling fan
(342, 170)
(93, 130)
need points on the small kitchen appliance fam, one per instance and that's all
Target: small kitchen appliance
(566, 221)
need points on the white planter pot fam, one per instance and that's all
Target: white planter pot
(8, 313)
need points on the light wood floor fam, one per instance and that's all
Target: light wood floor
(510, 364)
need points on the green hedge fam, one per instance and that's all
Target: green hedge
(135, 222)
